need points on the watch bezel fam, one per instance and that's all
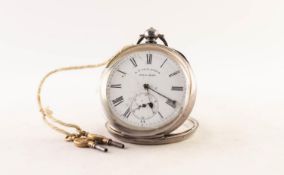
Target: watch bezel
(167, 128)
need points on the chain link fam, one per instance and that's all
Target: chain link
(47, 114)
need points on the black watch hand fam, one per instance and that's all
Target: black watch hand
(146, 86)
(150, 103)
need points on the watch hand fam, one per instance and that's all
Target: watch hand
(146, 86)
(150, 103)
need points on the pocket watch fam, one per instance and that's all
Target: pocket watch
(148, 92)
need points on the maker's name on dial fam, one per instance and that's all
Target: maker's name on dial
(147, 72)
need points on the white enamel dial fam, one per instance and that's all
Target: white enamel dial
(146, 89)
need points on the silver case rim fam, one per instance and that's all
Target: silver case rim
(169, 127)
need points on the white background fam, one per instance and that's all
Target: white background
(235, 49)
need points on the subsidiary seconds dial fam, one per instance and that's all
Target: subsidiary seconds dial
(146, 89)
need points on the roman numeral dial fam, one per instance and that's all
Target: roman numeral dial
(124, 73)
(177, 88)
(174, 73)
(171, 103)
(115, 86)
(149, 58)
(163, 63)
(145, 89)
(127, 113)
(132, 60)
(117, 101)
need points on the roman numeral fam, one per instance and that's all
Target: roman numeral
(177, 88)
(163, 63)
(149, 58)
(115, 86)
(160, 115)
(174, 73)
(121, 72)
(171, 103)
(133, 62)
(117, 101)
(127, 112)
